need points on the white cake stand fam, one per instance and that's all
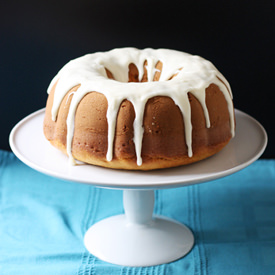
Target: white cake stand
(137, 238)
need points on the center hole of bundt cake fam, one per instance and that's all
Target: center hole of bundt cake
(149, 74)
(133, 73)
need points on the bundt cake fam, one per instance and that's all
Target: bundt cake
(139, 109)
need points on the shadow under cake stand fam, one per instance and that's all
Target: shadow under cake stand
(137, 237)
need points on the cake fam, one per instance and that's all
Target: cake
(139, 109)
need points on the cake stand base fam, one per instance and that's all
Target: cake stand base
(116, 241)
(137, 239)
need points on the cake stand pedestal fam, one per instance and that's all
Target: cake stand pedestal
(137, 237)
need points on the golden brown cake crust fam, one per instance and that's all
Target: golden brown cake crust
(163, 142)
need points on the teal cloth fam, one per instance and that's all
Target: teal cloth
(43, 221)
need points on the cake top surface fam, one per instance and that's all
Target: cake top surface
(181, 73)
(191, 71)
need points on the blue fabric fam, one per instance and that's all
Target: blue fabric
(43, 221)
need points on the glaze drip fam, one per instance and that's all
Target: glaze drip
(181, 73)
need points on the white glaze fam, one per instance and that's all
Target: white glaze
(193, 74)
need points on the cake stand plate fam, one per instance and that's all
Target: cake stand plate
(137, 237)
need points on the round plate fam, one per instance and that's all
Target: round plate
(30, 146)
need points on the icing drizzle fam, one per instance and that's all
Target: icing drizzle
(190, 74)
